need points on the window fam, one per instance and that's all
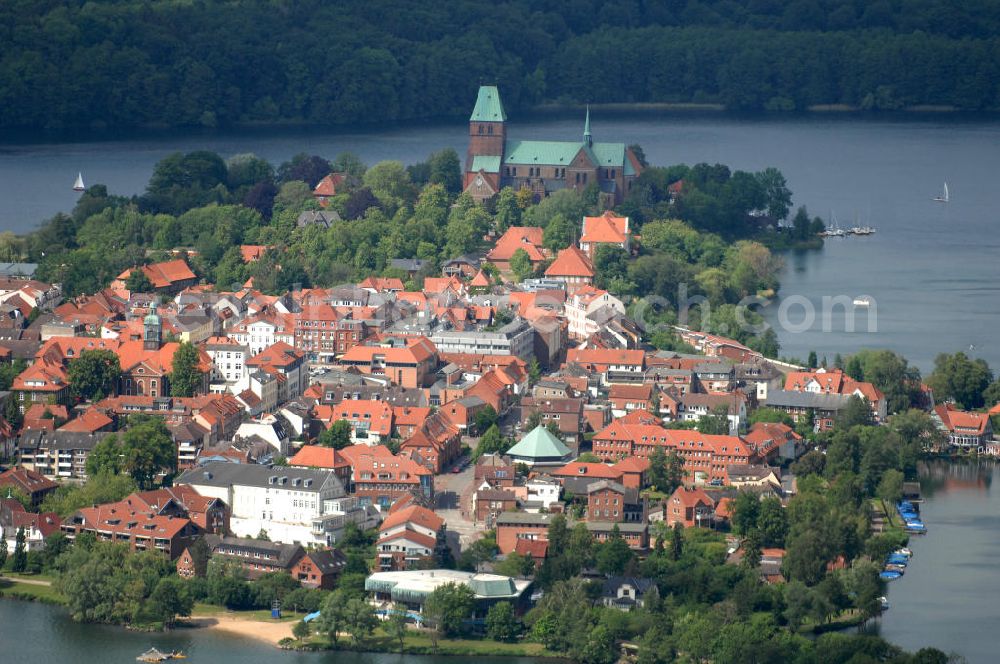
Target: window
(489, 130)
(480, 129)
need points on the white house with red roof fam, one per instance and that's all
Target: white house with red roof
(966, 430)
(835, 381)
(572, 267)
(408, 537)
(581, 307)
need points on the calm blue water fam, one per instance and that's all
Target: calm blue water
(41, 634)
(948, 597)
(932, 269)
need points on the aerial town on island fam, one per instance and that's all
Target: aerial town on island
(454, 415)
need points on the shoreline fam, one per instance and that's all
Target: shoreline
(18, 136)
(259, 630)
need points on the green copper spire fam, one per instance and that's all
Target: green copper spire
(587, 138)
(488, 107)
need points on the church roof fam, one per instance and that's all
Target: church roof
(488, 107)
(562, 153)
(486, 163)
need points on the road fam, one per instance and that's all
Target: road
(453, 492)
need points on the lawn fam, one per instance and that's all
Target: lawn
(419, 642)
(30, 591)
(201, 609)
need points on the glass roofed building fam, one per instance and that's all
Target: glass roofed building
(494, 161)
(410, 589)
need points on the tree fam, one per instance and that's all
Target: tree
(19, 561)
(890, 487)
(515, 565)
(333, 616)
(395, 627)
(169, 599)
(856, 412)
(100, 488)
(745, 510)
(614, 555)
(772, 522)
(306, 168)
(301, 630)
(960, 378)
(812, 361)
(448, 607)
(445, 169)
(138, 282)
(751, 550)
(3, 552)
(486, 418)
(777, 196)
(520, 265)
(812, 462)
(338, 436)
(390, 183)
(360, 620)
(677, 541)
(94, 374)
(501, 623)
(146, 450)
(508, 213)
(716, 423)
(806, 556)
(491, 443)
(559, 233)
(185, 375)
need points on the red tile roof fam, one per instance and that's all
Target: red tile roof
(317, 456)
(416, 514)
(607, 228)
(571, 262)
(528, 238)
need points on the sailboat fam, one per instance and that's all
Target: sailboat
(944, 197)
(78, 185)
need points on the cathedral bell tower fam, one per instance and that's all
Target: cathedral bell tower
(487, 127)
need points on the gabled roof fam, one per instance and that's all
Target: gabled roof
(90, 420)
(586, 469)
(605, 228)
(317, 456)
(488, 106)
(415, 514)
(571, 262)
(165, 274)
(960, 421)
(480, 280)
(690, 497)
(328, 185)
(529, 238)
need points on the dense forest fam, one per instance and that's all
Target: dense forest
(118, 63)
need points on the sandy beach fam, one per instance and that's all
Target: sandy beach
(262, 630)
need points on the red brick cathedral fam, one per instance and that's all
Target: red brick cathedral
(493, 162)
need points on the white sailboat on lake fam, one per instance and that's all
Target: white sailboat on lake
(944, 197)
(78, 185)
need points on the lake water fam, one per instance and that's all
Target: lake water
(948, 597)
(41, 634)
(932, 268)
